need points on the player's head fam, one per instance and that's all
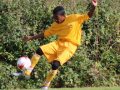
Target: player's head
(59, 14)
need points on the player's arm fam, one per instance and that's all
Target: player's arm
(94, 2)
(48, 32)
(27, 38)
(37, 36)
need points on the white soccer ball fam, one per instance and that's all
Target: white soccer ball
(23, 63)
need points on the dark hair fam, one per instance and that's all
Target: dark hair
(59, 10)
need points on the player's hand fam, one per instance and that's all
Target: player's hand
(27, 38)
(94, 2)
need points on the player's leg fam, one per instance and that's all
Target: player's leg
(34, 60)
(62, 54)
(51, 74)
(62, 57)
(50, 52)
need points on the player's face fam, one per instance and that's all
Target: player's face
(59, 18)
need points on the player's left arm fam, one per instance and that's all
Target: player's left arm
(94, 3)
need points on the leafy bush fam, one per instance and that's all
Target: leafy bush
(95, 63)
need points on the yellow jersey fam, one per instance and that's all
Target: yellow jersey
(69, 30)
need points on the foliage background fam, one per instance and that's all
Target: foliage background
(95, 63)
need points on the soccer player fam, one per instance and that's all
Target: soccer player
(68, 29)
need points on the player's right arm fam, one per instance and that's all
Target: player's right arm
(27, 38)
(47, 33)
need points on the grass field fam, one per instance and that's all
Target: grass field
(88, 88)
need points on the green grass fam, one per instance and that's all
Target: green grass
(88, 88)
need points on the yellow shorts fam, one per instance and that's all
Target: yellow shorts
(58, 50)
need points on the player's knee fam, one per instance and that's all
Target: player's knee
(39, 51)
(55, 65)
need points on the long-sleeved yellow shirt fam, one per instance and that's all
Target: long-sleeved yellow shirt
(69, 30)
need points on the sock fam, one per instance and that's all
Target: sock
(50, 77)
(34, 60)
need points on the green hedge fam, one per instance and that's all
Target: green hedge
(95, 63)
